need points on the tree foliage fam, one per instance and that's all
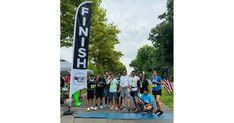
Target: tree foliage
(103, 37)
(162, 36)
(144, 59)
(161, 54)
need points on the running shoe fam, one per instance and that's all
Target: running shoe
(122, 108)
(104, 106)
(95, 108)
(101, 107)
(157, 112)
(129, 109)
(161, 114)
(91, 108)
(88, 109)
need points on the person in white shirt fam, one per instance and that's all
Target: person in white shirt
(134, 88)
(125, 85)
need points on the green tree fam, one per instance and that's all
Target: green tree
(103, 36)
(144, 59)
(162, 36)
(162, 39)
(161, 54)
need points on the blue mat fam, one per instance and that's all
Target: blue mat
(122, 116)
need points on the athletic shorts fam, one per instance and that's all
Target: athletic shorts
(159, 92)
(99, 92)
(113, 94)
(124, 92)
(90, 94)
(134, 93)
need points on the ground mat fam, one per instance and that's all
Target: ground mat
(122, 116)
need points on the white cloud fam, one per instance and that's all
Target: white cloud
(135, 19)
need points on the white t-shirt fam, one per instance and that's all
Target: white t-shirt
(125, 81)
(134, 82)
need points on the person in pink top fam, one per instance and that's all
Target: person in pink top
(67, 79)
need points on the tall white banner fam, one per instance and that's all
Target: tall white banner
(80, 47)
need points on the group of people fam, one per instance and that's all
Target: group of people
(111, 91)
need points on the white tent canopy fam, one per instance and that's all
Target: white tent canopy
(65, 67)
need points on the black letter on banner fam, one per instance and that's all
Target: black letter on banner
(81, 36)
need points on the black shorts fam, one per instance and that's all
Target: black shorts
(133, 93)
(99, 92)
(118, 94)
(90, 94)
(159, 92)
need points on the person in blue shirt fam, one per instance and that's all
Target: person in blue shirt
(146, 101)
(157, 91)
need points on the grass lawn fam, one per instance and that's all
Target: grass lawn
(167, 99)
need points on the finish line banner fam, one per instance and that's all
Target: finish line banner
(80, 47)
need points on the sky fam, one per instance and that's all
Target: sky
(135, 19)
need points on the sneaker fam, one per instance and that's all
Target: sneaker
(95, 108)
(108, 106)
(157, 112)
(122, 108)
(88, 109)
(91, 108)
(129, 109)
(101, 107)
(104, 106)
(161, 114)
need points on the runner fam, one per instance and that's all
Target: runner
(106, 90)
(67, 79)
(145, 102)
(125, 89)
(157, 91)
(143, 83)
(113, 92)
(90, 92)
(118, 89)
(134, 88)
(99, 91)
